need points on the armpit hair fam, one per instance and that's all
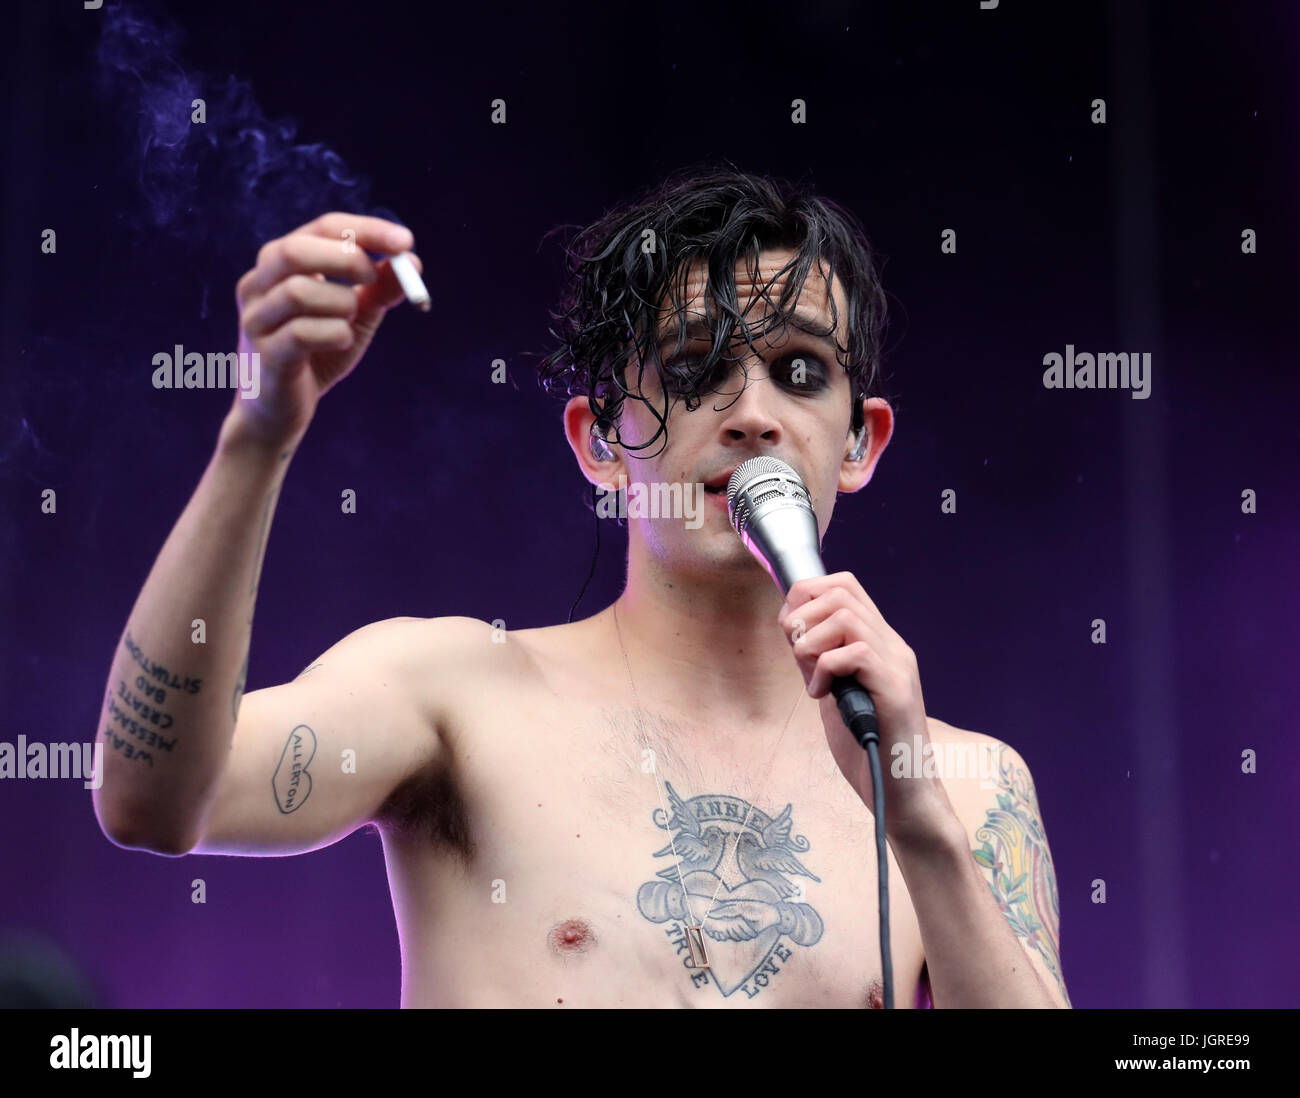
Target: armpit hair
(429, 805)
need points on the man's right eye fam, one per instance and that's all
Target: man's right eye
(683, 376)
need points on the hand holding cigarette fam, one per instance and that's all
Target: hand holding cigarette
(309, 309)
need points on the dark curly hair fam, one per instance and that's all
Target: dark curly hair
(620, 267)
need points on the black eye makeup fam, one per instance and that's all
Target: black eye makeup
(800, 371)
(796, 371)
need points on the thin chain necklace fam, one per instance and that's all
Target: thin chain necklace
(695, 930)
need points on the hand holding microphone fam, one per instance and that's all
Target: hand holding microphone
(843, 646)
(769, 505)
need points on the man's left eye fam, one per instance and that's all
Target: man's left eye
(800, 371)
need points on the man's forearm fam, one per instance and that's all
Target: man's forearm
(172, 700)
(973, 957)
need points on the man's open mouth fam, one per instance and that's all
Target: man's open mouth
(718, 485)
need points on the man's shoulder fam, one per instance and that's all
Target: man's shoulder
(447, 651)
(417, 641)
(949, 735)
(975, 767)
(429, 657)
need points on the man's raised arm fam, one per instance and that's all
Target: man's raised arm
(176, 680)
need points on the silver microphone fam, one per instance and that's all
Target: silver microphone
(769, 505)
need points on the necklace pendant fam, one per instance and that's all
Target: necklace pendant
(695, 943)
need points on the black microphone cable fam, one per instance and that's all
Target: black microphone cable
(862, 724)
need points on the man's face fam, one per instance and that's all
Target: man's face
(798, 413)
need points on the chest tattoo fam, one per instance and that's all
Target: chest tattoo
(731, 908)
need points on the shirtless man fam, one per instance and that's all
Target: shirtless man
(560, 806)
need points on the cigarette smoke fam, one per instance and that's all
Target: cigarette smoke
(235, 180)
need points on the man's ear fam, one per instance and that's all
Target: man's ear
(578, 422)
(878, 421)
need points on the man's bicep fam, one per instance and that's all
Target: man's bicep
(314, 759)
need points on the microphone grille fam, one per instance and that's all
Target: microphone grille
(759, 480)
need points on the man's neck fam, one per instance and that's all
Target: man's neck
(712, 645)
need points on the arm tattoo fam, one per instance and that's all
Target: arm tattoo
(1016, 854)
(291, 782)
(137, 713)
(135, 727)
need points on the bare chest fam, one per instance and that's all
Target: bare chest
(610, 866)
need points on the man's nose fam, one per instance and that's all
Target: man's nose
(751, 414)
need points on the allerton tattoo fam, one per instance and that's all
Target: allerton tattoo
(1016, 854)
(756, 906)
(291, 782)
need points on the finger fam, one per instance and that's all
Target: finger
(854, 661)
(840, 607)
(298, 295)
(808, 589)
(843, 627)
(308, 334)
(303, 253)
(374, 234)
(817, 610)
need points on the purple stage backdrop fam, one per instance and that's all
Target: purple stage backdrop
(1166, 759)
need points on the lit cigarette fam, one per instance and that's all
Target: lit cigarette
(412, 283)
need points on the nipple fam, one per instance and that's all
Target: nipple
(571, 936)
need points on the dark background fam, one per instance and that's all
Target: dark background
(1072, 505)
